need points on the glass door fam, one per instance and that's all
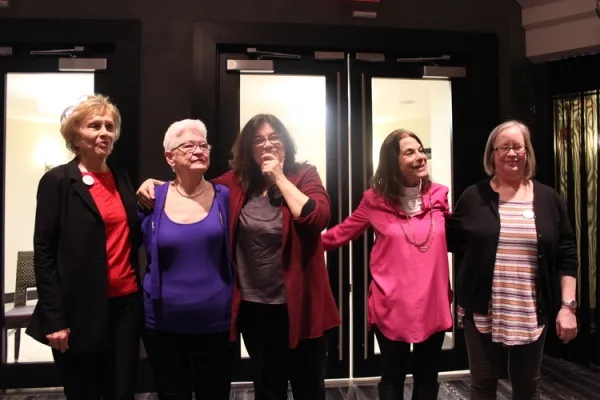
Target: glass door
(339, 108)
(388, 93)
(32, 146)
(308, 92)
(35, 90)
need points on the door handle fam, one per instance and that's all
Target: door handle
(340, 205)
(363, 110)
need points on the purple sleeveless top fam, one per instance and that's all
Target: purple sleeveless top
(196, 284)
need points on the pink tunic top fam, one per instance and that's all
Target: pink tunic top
(410, 295)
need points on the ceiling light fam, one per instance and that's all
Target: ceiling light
(405, 102)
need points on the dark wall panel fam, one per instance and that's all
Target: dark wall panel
(166, 48)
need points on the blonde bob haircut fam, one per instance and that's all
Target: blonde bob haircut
(488, 154)
(74, 116)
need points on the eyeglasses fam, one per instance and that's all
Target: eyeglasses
(518, 149)
(188, 148)
(274, 139)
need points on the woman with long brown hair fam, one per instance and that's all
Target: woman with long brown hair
(409, 298)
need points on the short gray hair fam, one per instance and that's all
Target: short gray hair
(488, 154)
(177, 129)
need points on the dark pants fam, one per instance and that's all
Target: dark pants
(395, 359)
(186, 364)
(266, 331)
(112, 374)
(524, 365)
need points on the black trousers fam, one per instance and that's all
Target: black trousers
(266, 331)
(524, 364)
(112, 374)
(186, 364)
(395, 360)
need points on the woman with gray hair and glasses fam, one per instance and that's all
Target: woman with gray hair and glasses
(517, 277)
(188, 287)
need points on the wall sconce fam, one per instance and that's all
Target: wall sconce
(53, 155)
(48, 164)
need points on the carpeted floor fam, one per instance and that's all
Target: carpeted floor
(560, 381)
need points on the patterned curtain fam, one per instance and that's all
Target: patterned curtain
(577, 163)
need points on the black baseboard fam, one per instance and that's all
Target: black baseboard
(10, 297)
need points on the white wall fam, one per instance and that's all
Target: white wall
(430, 118)
(440, 103)
(420, 126)
(34, 104)
(29, 146)
(299, 101)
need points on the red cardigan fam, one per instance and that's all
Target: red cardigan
(311, 306)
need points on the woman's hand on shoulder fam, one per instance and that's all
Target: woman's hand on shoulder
(145, 193)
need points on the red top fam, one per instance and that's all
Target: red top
(121, 277)
(311, 306)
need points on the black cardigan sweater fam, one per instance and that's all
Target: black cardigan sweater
(474, 229)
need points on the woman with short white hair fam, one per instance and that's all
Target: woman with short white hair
(188, 286)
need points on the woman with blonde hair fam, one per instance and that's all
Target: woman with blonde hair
(86, 237)
(517, 277)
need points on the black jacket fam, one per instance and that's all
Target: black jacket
(70, 258)
(473, 232)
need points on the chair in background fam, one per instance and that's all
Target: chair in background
(18, 317)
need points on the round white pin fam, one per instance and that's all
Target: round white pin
(88, 180)
(528, 214)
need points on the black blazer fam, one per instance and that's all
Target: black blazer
(70, 258)
(474, 230)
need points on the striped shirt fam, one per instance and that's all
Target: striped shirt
(512, 318)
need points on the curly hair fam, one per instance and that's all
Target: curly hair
(242, 162)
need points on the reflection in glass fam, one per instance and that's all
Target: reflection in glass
(425, 108)
(299, 102)
(34, 103)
